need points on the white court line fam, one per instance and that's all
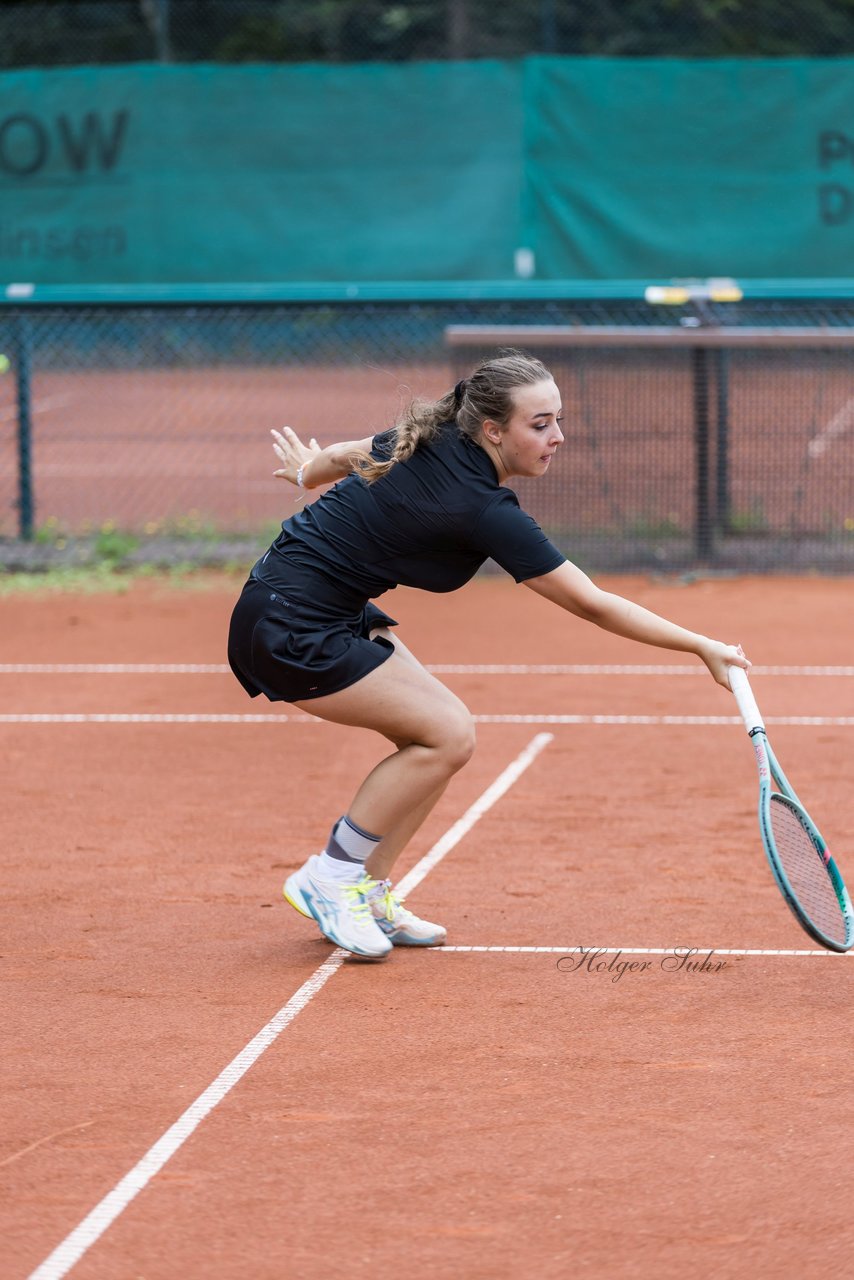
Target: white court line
(841, 421)
(72, 1248)
(95, 717)
(503, 783)
(614, 669)
(488, 669)
(108, 470)
(114, 668)
(272, 717)
(838, 721)
(44, 405)
(93, 1226)
(647, 951)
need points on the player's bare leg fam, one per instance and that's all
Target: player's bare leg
(434, 736)
(432, 727)
(381, 861)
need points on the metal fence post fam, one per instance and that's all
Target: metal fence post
(703, 524)
(722, 484)
(22, 352)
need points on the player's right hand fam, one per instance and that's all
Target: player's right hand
(292, 453)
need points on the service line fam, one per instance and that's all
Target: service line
(681, 949)
(440, 668)
(279, 718)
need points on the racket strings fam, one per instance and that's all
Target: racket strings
(806, 870)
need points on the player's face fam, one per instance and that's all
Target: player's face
(527, 444)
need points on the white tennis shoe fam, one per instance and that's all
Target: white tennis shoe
(401, 926)
(341, 910)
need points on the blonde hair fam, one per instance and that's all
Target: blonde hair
(487, 393)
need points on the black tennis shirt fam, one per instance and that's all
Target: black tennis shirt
(430, 523)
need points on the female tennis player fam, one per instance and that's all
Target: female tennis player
(422, 505)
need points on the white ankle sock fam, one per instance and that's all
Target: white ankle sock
(334, 869)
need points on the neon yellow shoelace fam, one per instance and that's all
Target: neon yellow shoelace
(358, 902)
(389, 902)
(377, 891)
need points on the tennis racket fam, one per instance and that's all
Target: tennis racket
(805, 872)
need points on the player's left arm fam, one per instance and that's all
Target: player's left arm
(569, 587)
(319, 466)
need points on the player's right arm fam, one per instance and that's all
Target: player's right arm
(569, 587)
(319, 466)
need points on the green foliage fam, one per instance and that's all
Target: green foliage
(86, 580)
(51, 534)
(751, 519)
(112, 546)
(184, 550)
(104, 578)
(655, 526)
(705, 28)
(65, 32)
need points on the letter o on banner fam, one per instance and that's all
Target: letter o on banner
(25, 150)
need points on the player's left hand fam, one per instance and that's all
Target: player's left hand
(292, 453)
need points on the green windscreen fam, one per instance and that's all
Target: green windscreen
(658, 168)
(595, 168)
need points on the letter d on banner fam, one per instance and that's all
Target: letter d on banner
(836, 204)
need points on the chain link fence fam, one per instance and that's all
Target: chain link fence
(151, 423)
(67, 32)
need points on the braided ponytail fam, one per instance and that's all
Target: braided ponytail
(419, 425)
(487, 393)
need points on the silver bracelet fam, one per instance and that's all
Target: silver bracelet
(300, 471)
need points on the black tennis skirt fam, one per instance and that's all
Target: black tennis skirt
(289, 651)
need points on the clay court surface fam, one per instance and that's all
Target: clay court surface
(480, 1113)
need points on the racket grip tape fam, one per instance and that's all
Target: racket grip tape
(740, 686)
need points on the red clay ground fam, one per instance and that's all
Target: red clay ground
(460, 1114)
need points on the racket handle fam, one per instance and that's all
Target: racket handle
(740, 686)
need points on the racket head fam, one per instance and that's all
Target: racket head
(805, 872)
